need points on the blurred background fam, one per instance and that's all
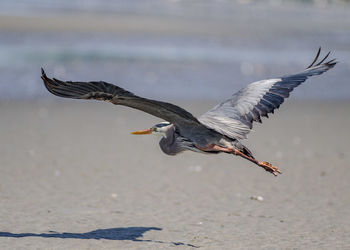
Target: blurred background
(172, 49)
(71, 172)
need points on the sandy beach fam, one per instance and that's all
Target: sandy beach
(72, 177)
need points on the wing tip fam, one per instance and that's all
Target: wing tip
(329, 64)
(51, 84)
(74, 90)
(47, 83)
(44, 77)
(43, 74)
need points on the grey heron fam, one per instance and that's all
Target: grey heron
(218, 130)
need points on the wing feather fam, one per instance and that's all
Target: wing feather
(234, 117)
(119, 96)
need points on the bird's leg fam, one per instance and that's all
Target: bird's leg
(265, 165)
(213, 147)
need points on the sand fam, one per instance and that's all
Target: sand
(72, 177)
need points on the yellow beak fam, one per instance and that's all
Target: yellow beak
(142, 132)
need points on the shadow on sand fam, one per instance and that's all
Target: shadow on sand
(120, 233)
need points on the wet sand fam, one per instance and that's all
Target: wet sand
(72, 177)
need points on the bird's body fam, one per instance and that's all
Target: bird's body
(218, 130)
(174, 142)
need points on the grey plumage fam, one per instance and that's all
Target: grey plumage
(235, 116)
(173, 143)
(109, 92)
(219, 129)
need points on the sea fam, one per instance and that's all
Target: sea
(172, 49)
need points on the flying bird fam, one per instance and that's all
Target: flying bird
(219, 130)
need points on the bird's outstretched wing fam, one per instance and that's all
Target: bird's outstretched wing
(234, 117)
(119, 96)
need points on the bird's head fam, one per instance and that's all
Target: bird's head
(159, 128)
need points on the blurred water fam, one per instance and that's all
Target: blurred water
(208, 61)
(166, 7)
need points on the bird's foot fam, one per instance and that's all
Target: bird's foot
(269, 168)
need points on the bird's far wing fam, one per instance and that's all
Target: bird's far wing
(119, 96)
(234, 117)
